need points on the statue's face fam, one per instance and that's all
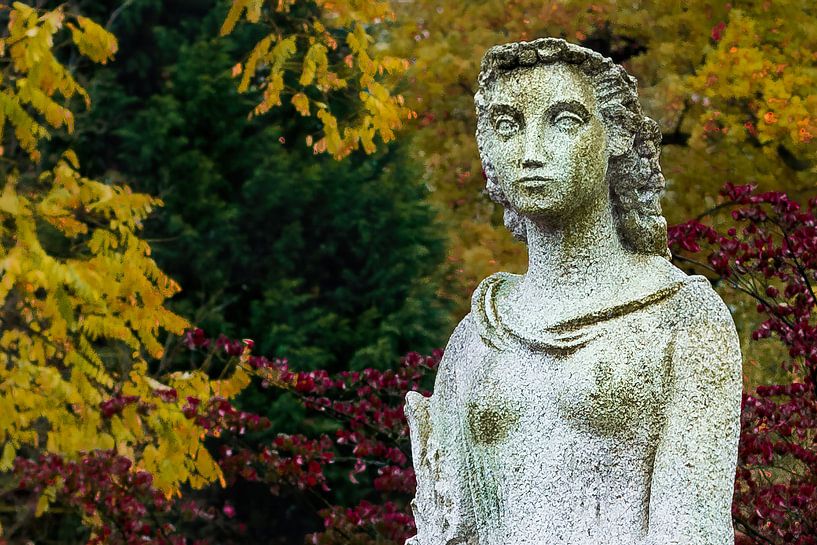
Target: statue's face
(543, 135)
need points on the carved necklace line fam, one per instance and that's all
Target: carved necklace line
(565, 337)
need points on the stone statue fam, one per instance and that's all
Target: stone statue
(595, 399)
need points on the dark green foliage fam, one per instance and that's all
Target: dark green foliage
(330, 264)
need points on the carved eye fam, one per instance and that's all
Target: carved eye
(506, 125)
(567, 120)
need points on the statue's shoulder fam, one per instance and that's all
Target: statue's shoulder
(706, 345)
(484, 320)
(469, 336)
(488, 287)
(454, 358)
(462, 335)
(695, 300)
(698, 302)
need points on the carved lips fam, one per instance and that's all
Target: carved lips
(532, 182)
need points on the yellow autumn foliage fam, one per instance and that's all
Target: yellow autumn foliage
(82, 303)
(310, 68)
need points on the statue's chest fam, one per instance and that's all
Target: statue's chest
(615, 384)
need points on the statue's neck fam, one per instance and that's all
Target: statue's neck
(573, 257)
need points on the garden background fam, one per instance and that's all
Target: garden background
(234, 234)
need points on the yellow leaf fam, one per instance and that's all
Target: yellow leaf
(236, 9)
(7, 458)
(254, 10)
(301, 103)
(236, 383)
(93, 41)
(42, 505)
(48, 495)
(252, 7)
(315, 65)
(25, 10)
(71, 157)
(8, 200)
(258, 53)
(281, 53)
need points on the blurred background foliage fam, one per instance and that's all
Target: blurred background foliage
(328, 263)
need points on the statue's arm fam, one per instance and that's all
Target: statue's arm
(440, 509)
(694, 469)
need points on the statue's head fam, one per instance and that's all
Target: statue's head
(559, 126)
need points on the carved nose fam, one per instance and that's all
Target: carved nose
(536, 153)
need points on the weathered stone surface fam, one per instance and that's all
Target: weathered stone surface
(595, 399)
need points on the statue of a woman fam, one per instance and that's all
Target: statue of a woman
(595, 399)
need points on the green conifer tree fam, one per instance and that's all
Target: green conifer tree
(332, 264)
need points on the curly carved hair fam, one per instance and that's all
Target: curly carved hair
(634, 177)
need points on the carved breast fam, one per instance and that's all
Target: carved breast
(495, 402)
(609, 388)
(606, 372)
(615, 385)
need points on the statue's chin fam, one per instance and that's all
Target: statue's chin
(541, 201)
(544, 209)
